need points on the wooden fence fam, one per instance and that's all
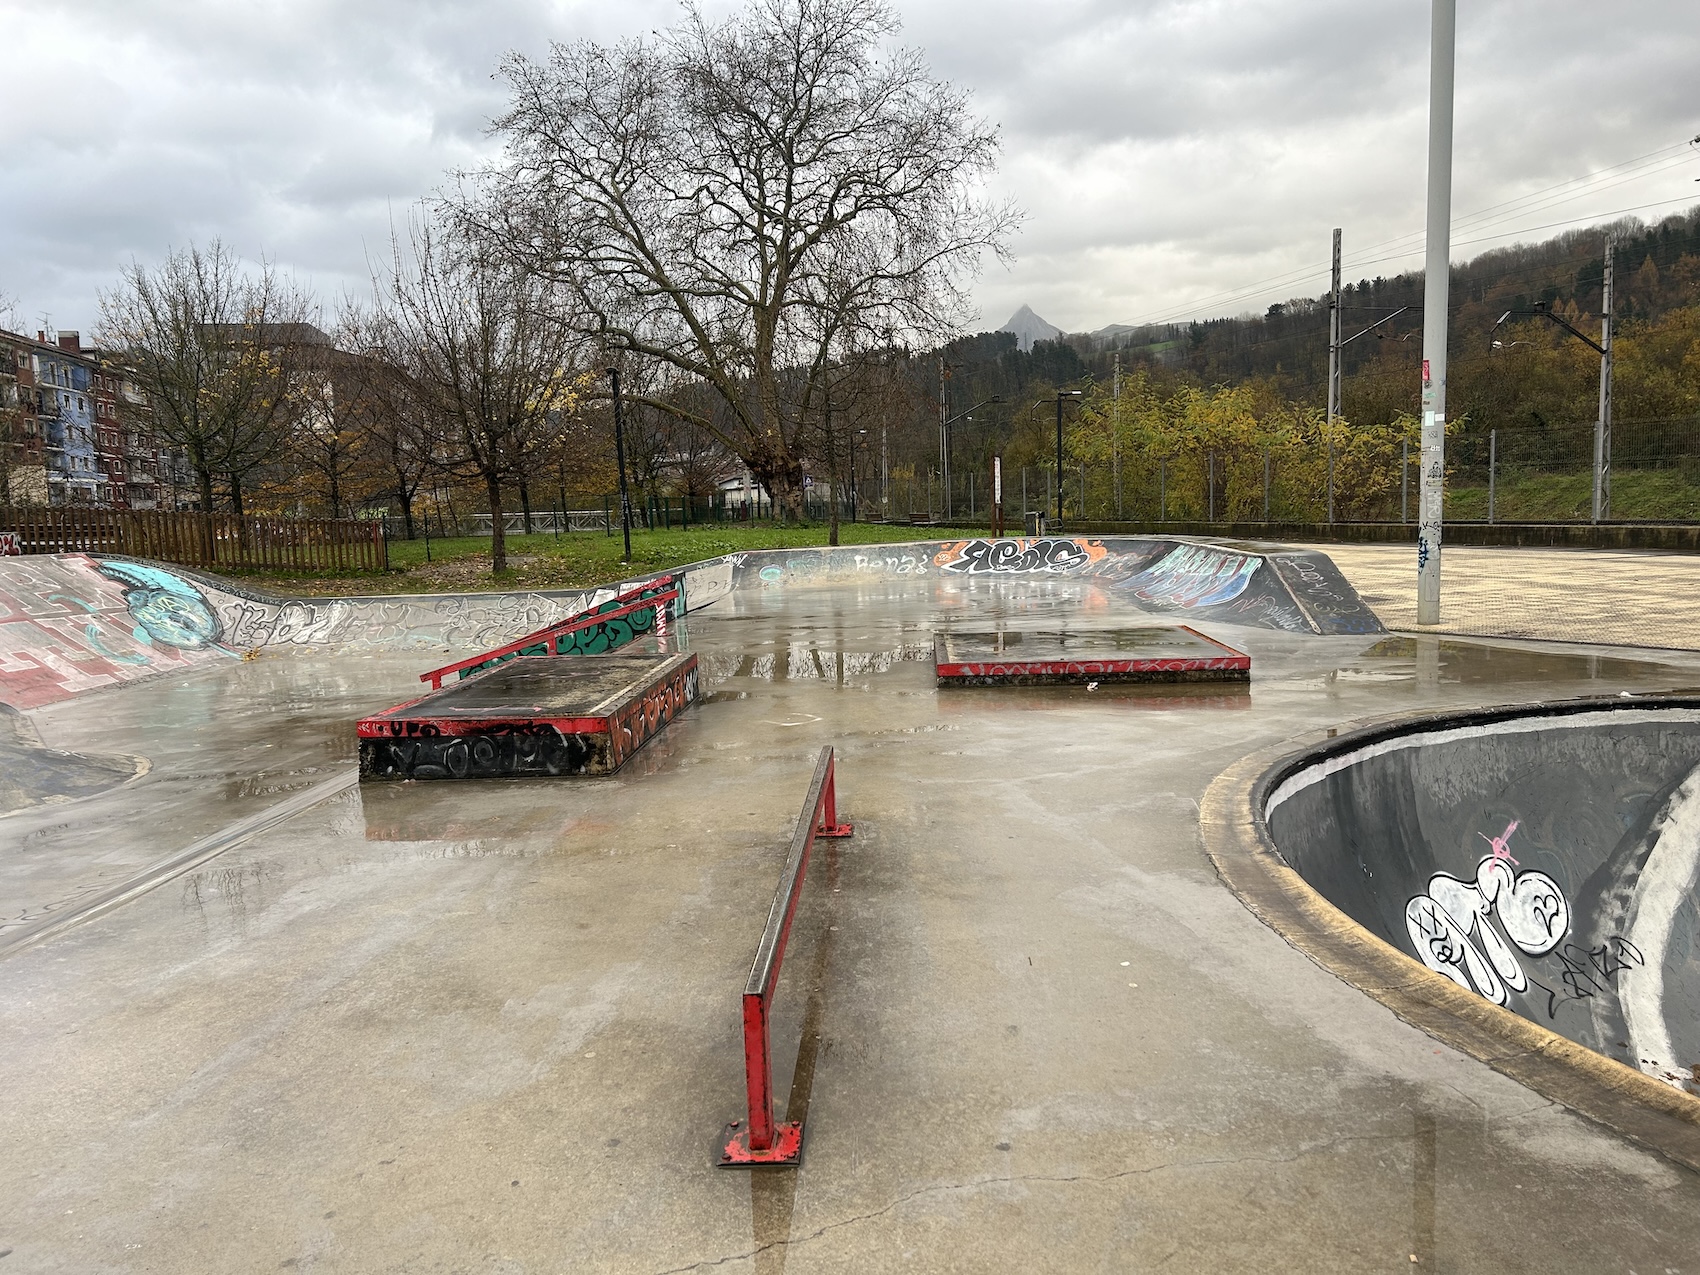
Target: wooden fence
(202, 540)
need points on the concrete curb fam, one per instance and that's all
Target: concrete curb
(1642, 1109)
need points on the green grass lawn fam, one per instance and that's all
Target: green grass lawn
(580, 559)
(1651, 494)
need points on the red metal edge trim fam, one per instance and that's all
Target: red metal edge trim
(1213, 642)
(1235, 663)
(382, 727)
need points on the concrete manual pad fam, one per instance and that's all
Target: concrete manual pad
(494, 1026)
(533, 716)
(1151, 653)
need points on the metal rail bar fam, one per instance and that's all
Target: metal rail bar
(760, 1140)
(638, 599)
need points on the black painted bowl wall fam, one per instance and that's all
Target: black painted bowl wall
(1545, 858)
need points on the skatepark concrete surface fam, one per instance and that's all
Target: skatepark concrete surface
(1563, 595)
(494, 1026)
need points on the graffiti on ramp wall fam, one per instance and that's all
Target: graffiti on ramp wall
(1052, 555)
(69, 624)
(1194, 576)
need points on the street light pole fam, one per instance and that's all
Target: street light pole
(620, 460)
(944, 432)
(1333, 368)
(1437, 266)
(1602, 425)
(1061, 395)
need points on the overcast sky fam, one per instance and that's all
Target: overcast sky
(1172, 157)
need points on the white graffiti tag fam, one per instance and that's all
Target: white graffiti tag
(1451, 926)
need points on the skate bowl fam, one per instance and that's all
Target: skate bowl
(1522, 882)
(76, 622)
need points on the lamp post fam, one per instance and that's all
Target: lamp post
(1602, 347)
(620, 460)
(944, 442)
(853, 434)
(1061, 395)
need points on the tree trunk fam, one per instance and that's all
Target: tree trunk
(498, 533)
(406, 503)
(525, 505)
(241, 520)
(209, 546)
(336, 495)
(831, 480)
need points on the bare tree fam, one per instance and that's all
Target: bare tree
(336, 405)
(215, 346)
(694, 189)
(397, 445)
(489, 363)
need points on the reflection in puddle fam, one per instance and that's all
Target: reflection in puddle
(806, 661)
(463, 814)
(1464, 662)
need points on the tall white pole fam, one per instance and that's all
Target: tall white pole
(1333, 367)
(1436, 280)
(1602, 427)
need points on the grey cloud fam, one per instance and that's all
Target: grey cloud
(1166, 150)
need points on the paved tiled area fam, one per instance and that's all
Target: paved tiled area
(1564, 595)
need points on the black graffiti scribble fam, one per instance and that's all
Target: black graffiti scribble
(505, 749)
(978, 557)
(1589, 971)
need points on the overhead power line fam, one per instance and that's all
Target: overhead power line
(1642, 166)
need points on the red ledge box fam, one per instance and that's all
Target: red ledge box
(1151, 653)
(532, 716)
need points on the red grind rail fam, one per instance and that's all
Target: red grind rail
(637, 599)
(760, 1140)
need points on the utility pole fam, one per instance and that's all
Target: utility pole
(1602, 427)
(1437, 267)
(1333, 368)
(944, 433)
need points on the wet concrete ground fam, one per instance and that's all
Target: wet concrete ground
(494, 1027)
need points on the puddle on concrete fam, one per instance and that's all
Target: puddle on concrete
(1463, 662)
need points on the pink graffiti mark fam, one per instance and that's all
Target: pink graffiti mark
(1502, 844)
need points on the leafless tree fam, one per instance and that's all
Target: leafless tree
(216, 347)
(694, 189)
(489, 362)
(336, 409)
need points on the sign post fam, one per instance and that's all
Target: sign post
(997, 496)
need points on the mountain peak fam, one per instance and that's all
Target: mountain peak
(1028, 328)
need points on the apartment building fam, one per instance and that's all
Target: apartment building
(78, 431)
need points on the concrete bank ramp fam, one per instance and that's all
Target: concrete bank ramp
(76, 622)
(1545, 857)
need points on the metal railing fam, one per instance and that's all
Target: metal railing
(760, 1139)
